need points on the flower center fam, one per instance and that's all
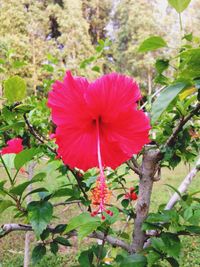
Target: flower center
(101, 193)
(102, 177)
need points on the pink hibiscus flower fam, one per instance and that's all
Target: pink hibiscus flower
(13, 146)
(98, 123)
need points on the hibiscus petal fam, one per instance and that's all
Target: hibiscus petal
(77, 105)
(112, 94)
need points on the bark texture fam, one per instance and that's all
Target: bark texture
(149, 168)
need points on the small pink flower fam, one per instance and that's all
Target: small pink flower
(13, 146)
(131, 195)
(52, 136)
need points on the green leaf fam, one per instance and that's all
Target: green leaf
(86, 229)
(173, 262)
(54, 247)
(18, 64)
(125, 203)
(19, 189)
(135, 260)
(60, 228)
(188, 37)
(165, 98)
(13, 126)
(161, 65)
(96, 68)
(39, 177)
(15, 89)
(62, 192)
(152, 43)
(161, 79)
(39, 214)
(2, 183)
(4, 204)
(25, 156)
(38, 253)
(172, 244)
(9, 160)
(168, 243)
(37, 190)
(152, 257)
(62, 240)
(82, 220)
(189, 64)
(85, 259)
(179, 5)
(193, 229)
(24, 108)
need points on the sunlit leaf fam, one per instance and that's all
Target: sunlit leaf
(152, 43)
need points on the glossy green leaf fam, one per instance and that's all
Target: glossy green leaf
(14, 89)
(86, 257)
(54, 247)
(25, 156)
(39, 214)
(82, 220)
(152, 257)
(168, 243)
(38, 253)
(19, 189)
(161, 65)
(37, 190)
(62, 240)
(179, 5)
(165, 98)
(24, 108)
(135, 260)
(152, 43)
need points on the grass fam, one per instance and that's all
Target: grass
(11, 246)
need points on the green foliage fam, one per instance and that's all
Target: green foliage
(165, 98)
(135, 260)
(179, 5)
(25, 156)
(15, 89)
(38, 253)
(39, 214)
(24, 54)
(161, 65)
(19, 189)
(85, 223)
(151, 44)
(4, 204)
(85, 259)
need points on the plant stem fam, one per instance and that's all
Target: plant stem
(180, 23)
(8, 173)
(15, 176)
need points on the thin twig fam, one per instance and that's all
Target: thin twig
(133, 167)
(179, 127)
(36, 135)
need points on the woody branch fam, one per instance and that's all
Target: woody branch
(11, 227)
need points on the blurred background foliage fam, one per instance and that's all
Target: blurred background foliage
(42, 37)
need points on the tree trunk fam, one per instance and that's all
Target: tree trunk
(150, 161)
